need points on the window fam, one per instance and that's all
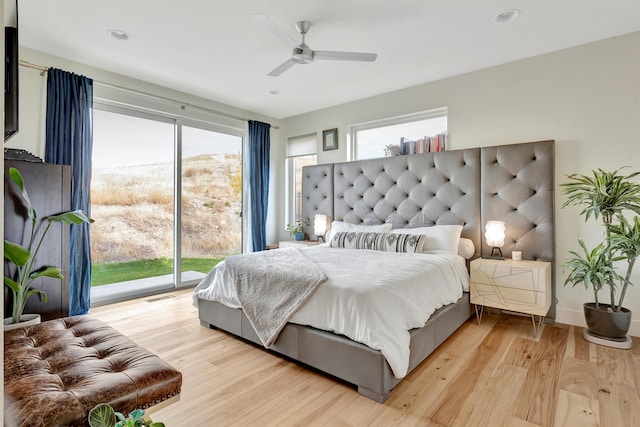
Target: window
(385, 137)
(301, 152)
(166, 194)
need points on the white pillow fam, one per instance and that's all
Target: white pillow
(466, 248)
(340, 227)
(439, 237)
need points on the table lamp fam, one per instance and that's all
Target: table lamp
(320, 226)
(494, 234)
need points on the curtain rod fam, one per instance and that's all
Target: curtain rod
(183, 105)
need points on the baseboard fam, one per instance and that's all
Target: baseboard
(576, 318)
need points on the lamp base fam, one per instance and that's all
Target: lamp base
(492, 256)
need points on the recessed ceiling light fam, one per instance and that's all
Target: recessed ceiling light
(118, 34)
(507, 15)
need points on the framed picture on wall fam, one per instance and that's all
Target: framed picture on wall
(330, 139)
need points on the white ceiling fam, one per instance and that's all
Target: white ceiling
(214, 49)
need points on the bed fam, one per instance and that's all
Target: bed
(463, 188)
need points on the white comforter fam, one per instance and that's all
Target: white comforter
(372, 297)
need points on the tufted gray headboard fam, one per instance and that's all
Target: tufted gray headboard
(510, 183)
(517, 188)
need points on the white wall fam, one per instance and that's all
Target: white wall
(586, 98)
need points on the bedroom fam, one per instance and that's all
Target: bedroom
(584, 97)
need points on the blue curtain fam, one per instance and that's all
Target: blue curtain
(69, 141)
(259, 142)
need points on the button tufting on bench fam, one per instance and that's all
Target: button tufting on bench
(55, 372)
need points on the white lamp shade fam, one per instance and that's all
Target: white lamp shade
(494, 233)
(320, 225)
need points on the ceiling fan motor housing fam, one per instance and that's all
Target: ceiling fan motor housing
(302, 55)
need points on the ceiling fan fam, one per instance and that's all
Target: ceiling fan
(303, 54)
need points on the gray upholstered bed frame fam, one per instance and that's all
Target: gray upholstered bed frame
(511, 183)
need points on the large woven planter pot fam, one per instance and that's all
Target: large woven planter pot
(606, 323)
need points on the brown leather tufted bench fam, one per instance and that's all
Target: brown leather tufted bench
(55, 372)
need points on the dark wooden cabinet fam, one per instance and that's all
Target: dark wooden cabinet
(49, 188)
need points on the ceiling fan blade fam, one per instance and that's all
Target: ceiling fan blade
(345, 56)
(282, 68)
(271, 26)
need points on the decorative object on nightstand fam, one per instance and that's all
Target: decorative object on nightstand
(519, 286)
(616, 198)
(494, 234)
(297, 231)
(320, 226)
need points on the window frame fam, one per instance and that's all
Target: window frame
(290, 182)
(353, 130)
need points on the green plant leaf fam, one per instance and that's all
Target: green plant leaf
(12, 284)
(16, 177)
(136, 414)
(47, 271)
(121, 417)
(604, 194)
(589, 268)
(157, 424)
(72, 217)
(16, 253)
(625, 237)
(102, 415)
(37, 291)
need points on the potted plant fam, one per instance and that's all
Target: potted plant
(608, 196)
(297, 230)
(24, 258)
(103, 415)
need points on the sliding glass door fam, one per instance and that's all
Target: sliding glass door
(158, 225)
(211, 221)
(132, 192)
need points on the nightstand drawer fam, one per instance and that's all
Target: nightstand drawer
(511, 274)
(519, 300)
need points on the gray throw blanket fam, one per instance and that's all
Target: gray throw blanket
(271, 286)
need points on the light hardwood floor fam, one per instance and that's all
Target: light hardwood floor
(493, 374)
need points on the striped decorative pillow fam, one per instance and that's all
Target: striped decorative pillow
(388, 242)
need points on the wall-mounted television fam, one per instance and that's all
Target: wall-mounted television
(10, 82)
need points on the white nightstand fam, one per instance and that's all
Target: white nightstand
(293, 243)
(520, 286)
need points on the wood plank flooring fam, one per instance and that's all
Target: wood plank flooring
(493, 374)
